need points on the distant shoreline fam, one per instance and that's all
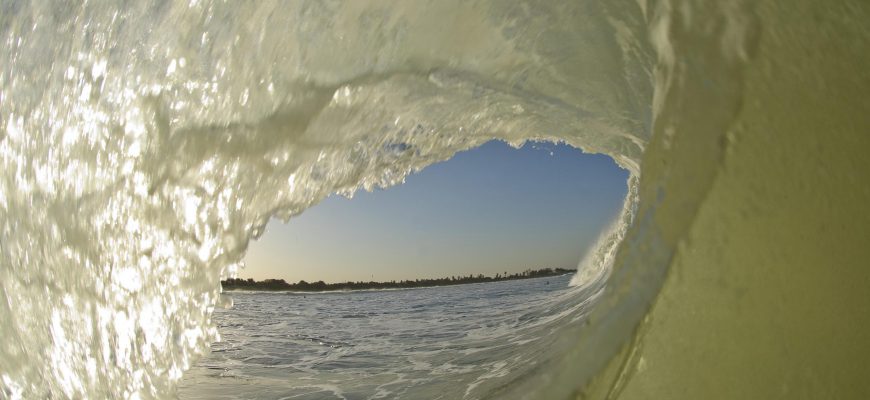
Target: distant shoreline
(280, 285)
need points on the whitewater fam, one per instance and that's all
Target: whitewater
(466, 341)
(144, 145)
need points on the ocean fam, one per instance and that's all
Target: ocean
(452, 342)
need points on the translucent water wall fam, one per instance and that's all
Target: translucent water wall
(143, 145)
(766, 295)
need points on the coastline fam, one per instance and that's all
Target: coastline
(303, 287)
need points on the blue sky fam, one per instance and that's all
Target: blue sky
(485, 211)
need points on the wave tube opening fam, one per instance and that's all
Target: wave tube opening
(419, 341)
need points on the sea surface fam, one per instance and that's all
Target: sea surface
(463, 341)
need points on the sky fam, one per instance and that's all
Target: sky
(492, 209)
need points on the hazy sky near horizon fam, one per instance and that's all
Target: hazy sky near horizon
(485, 211)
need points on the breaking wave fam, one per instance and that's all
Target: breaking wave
(144, 145)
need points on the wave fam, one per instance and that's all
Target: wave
(144, 145)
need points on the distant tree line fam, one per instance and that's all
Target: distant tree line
(320, 286)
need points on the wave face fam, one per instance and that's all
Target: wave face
(144, 145)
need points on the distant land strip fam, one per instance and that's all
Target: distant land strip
(320, 286)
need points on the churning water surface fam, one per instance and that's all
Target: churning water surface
(461, 341)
